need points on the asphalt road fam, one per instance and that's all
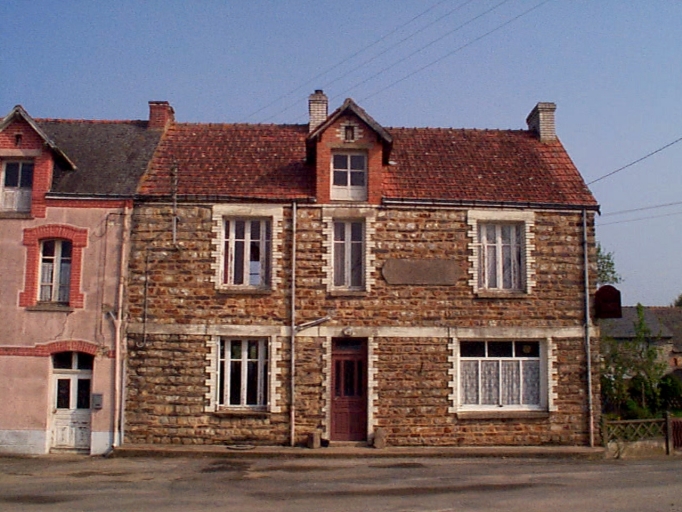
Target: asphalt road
(71, 484)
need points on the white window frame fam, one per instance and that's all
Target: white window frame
(222, 213)
(16, 198)
(348, 192)
(501, 256)
(344, 248)
(541, 359)
(263, 261)
(54, 284)
(224, 370)
(522, 220)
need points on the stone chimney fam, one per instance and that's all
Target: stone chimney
(317, 109)
(160, 114)
(541, 121)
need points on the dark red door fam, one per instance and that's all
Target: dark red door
(349, 390)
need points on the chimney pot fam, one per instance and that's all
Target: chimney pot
(160, 114)
(318, 106)
(541, 121)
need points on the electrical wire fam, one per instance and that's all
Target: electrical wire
(343, 61)
(641, 209)
(636, 161)
(475, 40)
(639, 219)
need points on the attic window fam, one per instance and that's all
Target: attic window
(17, 139)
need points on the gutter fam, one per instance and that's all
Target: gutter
(292, 407)
(489, 204)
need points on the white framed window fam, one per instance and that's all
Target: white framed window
(55, 271)
(17, 186)
(242, 373)
(349, 176)
(247, 253)
(501, 256)
(499, 375)
(501, 246)
(349, 254)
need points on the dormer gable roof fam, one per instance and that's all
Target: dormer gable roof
(350, 107)
(18, 112)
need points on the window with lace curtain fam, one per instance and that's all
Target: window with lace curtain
(500, 374)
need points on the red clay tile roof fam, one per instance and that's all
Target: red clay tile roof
(510, 166)
(267, 162)
(232, 160)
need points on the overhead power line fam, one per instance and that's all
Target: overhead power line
(621, 212)
(639, 219)
(636, 161)
(456, 50)
(343, 61)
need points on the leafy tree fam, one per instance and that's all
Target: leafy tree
(606, 268)
(678, 301)
(632, 373)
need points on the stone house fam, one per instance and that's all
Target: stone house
(341, 277)
(66, 190)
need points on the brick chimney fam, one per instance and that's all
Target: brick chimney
(541, 121)
(317, 109)
(160, 114)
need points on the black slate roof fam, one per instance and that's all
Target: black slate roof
(110, 156)
(624, 328)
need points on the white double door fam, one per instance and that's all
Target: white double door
(71, 416)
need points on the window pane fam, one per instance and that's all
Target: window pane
(349, 378)
(12, 174)
(506, 234)
(491, 263)
(531, 382)
(339, 264)
(63, 393)
(48, 247)
(356, 231)
(357, 162)
(239, 229)
(238, 263)
(469, 380)
(26, 180)
(236, 350)
(499, 349)
(511, 383)
(235, 382)
(339, 231)
(83, 394)
(527, 349)
(253, 350)
(507, 282)
(254, 264)
(472, 349)
(356, 265)
(340, 161)
(85, 361)
(340, 178)
(62, 360)
(221, 381)
(255, 230)
(357, 179)
(490, 382)
(252, 383)
(66, 249)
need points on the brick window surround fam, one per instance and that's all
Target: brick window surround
(32, 238)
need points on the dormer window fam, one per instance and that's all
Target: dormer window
(17, 184)
(349, 176)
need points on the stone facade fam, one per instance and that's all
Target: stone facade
(412, 332)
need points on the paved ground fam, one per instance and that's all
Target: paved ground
(68, 483)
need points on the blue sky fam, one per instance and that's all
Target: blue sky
(614, 68)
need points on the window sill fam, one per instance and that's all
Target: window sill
(51, 307)
(348, 293)
(501, 294)
(241, 413)
(499, 415)
(15, 215)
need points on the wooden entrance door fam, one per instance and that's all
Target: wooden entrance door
(349, 390)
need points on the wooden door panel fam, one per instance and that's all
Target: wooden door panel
(349, 391)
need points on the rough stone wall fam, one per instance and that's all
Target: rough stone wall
(167, 376)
